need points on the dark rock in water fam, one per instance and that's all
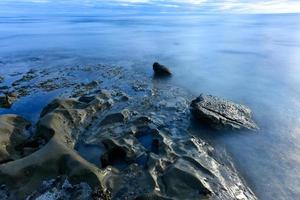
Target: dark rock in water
(7, 100)
(161, 70)
(221, 113)
(1, 79)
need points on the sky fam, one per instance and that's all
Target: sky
(223, 6)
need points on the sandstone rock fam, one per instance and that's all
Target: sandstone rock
(12, 134)
(59, 127)
(221, 113)
(140, 160)
(161, 70)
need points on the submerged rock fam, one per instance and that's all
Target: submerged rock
(7, 100)
(27, 77)
(161, 70)
(220, 113)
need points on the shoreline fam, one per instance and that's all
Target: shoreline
(154, 98)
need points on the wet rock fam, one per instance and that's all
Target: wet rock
(59, 125)
(221, 113)
(141, 157)
(48, 85)
(100, 194)
(140, 86)
(122, 96)
(13, 132)
(120, 117)
(62, 188)
(184, 176)
(131, 183)
(27, 77)
(161, 70)
(120, 151)
(7, 100)
(1, 79)
(86, 98)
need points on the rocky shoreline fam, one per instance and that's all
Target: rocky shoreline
(115, 135)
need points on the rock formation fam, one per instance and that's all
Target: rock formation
(220, 113)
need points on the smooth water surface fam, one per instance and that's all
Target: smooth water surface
(251, 59)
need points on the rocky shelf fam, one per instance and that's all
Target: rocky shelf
(103, 139)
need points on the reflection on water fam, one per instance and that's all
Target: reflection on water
(251, 59)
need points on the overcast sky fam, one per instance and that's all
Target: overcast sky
(231, 6)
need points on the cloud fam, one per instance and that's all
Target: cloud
(231, 6)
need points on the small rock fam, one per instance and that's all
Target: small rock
(7, 100)
(1, 79)
(221, 113)
(161, 70)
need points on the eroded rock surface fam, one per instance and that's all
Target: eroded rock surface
(59, 125)
(147, 163)
(221, 113)
(13, 133)
(141, 159)
(104, 144)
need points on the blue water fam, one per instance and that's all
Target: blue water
(251, 59)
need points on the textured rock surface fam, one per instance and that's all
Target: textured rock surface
(221, 113)
(135, 146)
(58, 125)
(61, 188)
(13, 133)
(146, 162)
(141, 159)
